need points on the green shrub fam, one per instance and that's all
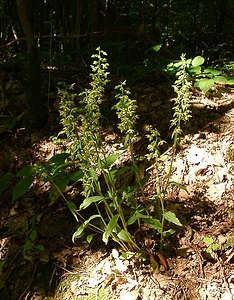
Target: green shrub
(203, 78)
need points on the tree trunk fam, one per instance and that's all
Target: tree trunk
(77, 22)
(32, 86)
(94, 23)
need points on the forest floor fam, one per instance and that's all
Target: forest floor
(189, 268)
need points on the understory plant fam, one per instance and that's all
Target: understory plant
(99, 177)
(117, 208)
(109, 204)
(163, 176)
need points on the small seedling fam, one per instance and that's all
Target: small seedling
(212, 247)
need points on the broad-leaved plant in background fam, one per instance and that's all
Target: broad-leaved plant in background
(203, 78)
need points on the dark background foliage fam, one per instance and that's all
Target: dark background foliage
(195, 27)
(52, 36)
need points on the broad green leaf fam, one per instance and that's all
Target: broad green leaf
(170, 67)
(168, 232)
(189, 61)
(59, 158)
(123, 235)
(5, 181)
(215, 247)
(27, 246)
(90, 200)
(59, 176)
(179, 185)
(109, 160)
(195, 70)
(208, 240)
(212, 71)
(113, 174)
(59, 168)
(230, 82)
(171, 217)
(136, 216)
(155, 48)
(153, 223)
(208, 76)
(198, 61)
(93, 174)
(222, 79)
(178, 64)
(123, 170)
(72, 207)
(33, 235)
(79, 232)
(89, 238)
(128, 192)
(76, 176)
(110, 228)
(62, 184)
(205, 84)
(28, 170)
(128, 255)
(22, 186)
